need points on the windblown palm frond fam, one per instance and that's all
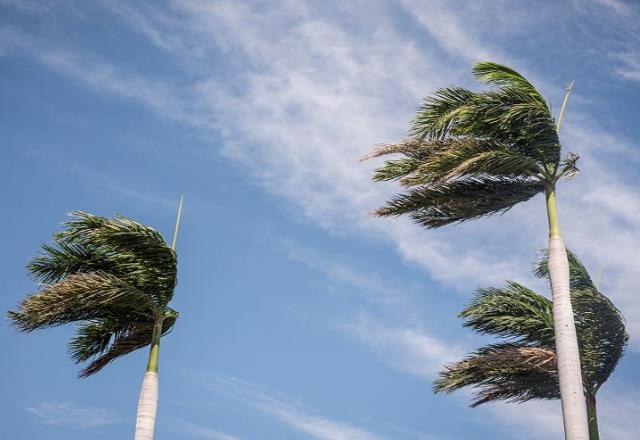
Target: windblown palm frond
(91, 341)
(513, 311)
(134, 250)
(429, 162)
(460, 200)
(524, 368)
(602, 334)
(80, 297)
(113, 276)
(504, 137)
(512, 372)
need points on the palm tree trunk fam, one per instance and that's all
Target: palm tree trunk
(593, 417)
(148, 403)
(574, 409)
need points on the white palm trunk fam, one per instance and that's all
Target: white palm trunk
(574, 406)
(147, 407)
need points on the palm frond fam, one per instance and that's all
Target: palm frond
(514, 114)
(438, 113)
(408, 147)
(131, 338)
(94, 337)
(513, 311)
(426, 162)
(136, 251)
(509, 372)
(81, 297)
(503, 76)
(441, 204)
(57, 261)
(603, 337)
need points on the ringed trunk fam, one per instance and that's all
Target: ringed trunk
(574, 410)
(148, 403)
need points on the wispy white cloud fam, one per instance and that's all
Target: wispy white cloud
(369, 286)
(200, 431)
(451, 31)
(87, 70)
(287, 411)
(617, 6)
(412, 350)
(71, 414)
(28, 7)
(535, 420)
(416, 351)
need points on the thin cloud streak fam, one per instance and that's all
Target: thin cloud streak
(287, 411)
(368, 286)
(71, 414)
(200, 431)
(411, 350)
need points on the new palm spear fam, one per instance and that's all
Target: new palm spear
(115, 277)
(473, 154)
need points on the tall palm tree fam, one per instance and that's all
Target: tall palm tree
(115, 278)
(524, 366)
(473, 154)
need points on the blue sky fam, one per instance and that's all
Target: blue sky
(301, 317)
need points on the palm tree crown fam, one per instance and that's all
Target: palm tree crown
(473, 154)
(113, 276)
(524, 366)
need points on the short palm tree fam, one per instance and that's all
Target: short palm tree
(115, 278)
(524, 367)
(473, 154)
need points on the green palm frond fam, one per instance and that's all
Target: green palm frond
(510, 114)
(94, 337)
(426, 162)
(509, 372)
(81, 297)
(525, 318)
(503, 76)
(57, 261)
(440, 112)
(440, 204)
(91, 343)
(601, 328)
(513, 311)
(137, 252)
(603, 336)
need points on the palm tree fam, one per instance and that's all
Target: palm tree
(474, 154)
(524, 367)
(115, 278)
